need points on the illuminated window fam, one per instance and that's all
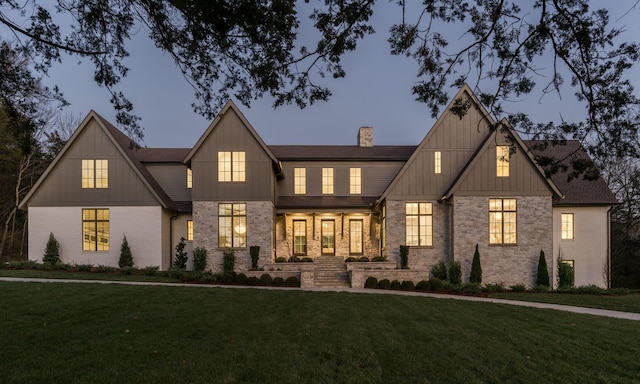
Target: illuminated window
(189, 230)
(355, 181)
(567, 226)
(502, 161)
(300, 181)
(355, 237)
(231, 166)
(95, 173)
(95, 230)
(189, 178)
(502, 221)
(232, 225)
(419, 224)
(437, 162)
(300, 237)
(327, 181)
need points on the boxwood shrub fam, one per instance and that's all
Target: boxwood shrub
(384, 284)
(423, 285)
(371, 282)
(291, 281)
(407, 285)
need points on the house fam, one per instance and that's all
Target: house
(463, 184)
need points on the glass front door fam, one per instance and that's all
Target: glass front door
(328, 234)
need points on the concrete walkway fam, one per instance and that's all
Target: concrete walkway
(557, 307)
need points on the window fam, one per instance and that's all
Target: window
(231, 166)
(437, 162)
(419, 224)
(95, 230)
(189, 230)
(232, 225)
(328, 237)
(567, 226)
(355, 181)
(327, 181)
(300, 181)
(95, 173)
(502, 221)
(189, 178)
(355, 237)
(502, 161)
(299, 237)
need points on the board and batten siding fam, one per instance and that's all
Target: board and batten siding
(230, 134)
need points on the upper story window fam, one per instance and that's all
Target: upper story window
(502, 161)
(502, 221)
(419, 224)
(95, 173)
(95, 230)
(189, 178)
(437, 162)
(300, 181)
(327, 181)
(231, 166)
(567, 226)
(355, 181)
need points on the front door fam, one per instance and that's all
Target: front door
(328, 235)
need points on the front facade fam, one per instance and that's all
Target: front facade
(464, 185)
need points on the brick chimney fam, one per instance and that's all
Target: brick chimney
(365, 137)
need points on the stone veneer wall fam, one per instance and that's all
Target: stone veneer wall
(419, 257)
(259, 232)
(508, 264)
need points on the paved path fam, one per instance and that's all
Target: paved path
(557, 307)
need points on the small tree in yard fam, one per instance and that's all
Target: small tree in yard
(126, 258)
(52, 251)
(566, 278)
(476, 268)
(543, 273)
(199, 259)
(455, 273)
(404, 257)
(228, 260)
(254, 250)
(181, 255)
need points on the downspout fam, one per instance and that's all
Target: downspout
(173, 217)
(609, 247)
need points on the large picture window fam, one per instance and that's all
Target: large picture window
(95, 173)
(231, 166)
(419, 224)
(95, 230)
(502, 221)
(232, 225)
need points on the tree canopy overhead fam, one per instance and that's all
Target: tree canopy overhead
(251, 48)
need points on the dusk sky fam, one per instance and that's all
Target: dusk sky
(376, 92)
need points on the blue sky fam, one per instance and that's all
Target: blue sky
(376, 92)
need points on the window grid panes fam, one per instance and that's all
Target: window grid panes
(437, 162)
(355, 237)
(355, 181)
(95, 173)
(95, 230)
(502, 221)
(300, 181)
(327, 181)
(567, 226)
(189, 230)
(231, 166)
(502, 161)
(419, 224)
(189, 178)
(232, 225)
(300, 237)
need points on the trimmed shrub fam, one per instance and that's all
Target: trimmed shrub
(543, 273)
(455, 273)
(395, 284)
(253, 281)
(371, 282)
(404, 257)
(281, 259)
(541, 288)
(565, 275)
(52, 251)
(127, 270)
(384, 284)
(126, 258)
(351, 259)
(294, 259)
(518, 288)
(176, 273)
(180, 260)
(495, 287)
(229, 277)
(363, 259)
(436, 285)
(439, 271)
(241, 279)
(407, 285)
(266, 279)
(423, 285)
(379, 258)
(254, 251)
(228, 260)
(199, 259)
(278, 281)
(476, 268)
(151, 271)
(472, 288)
(291, 281)
(104, 269)
(306, 260)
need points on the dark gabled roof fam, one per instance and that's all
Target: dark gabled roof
(307, 202)
(343, 152)
(162, 155)
(577, 191)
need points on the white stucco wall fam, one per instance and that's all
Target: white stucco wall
(141, 225)
(590, 246)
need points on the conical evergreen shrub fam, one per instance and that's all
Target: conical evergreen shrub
(52, 251)
(126, 258)
(543, 273)
(476, 268)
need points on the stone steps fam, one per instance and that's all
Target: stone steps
(330, 272)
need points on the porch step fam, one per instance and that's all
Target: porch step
(330, 272)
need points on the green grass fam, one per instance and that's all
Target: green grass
(624, 303)
(68, 275)
(85, 333)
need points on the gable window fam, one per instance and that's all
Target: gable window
(231, 166)
(567, 226)
(419, 224)
(95, 230)
(502, 221)
(437, 162)
(299, 237)
(355, 181)
(300, 181)
(327, 181)
(502, 161)
(189, 230)
(232, 225)
(189, 178)
(95, 173)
